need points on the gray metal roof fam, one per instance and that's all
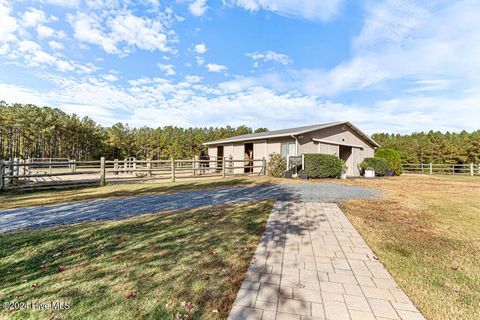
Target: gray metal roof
(289, 132)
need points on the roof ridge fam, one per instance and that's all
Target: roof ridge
(287, 132)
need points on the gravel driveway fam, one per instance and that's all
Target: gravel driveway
(116, 208)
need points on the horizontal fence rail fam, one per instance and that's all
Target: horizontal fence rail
(468, 169)
(38, 174)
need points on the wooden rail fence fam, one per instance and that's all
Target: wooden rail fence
(469, 169)
(28, 174)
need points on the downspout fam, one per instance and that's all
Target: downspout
(296, 144)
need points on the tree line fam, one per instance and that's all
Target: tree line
(434, 146)
(29, 131)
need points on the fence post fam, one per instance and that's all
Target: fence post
(115, 167)
(173, 169)
(2, 173)
(194, 165)
(50, 166)
(102, 171)
(431, 168)
(16, 171)
(10, 171)
(223, 167)
(264, 165)
(149, 168)
(472, 173)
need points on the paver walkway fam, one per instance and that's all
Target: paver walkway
(311, 263)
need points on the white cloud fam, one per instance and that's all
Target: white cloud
(144, 33)
(110, 77)
(167, 68)
(389, 23)
(33, 17)
(55, 45)
(88, 28)
(200, 48)
(323, 10)
(124, 29)
(62, 3)
(28, 46)
(200, 60)
(400, 44)
(198, 7)
(193, 79)
(45, 32)
(270, 56)
(34, 56)
(158, 102)
(8, 23)
(239, 84)
(213, 67)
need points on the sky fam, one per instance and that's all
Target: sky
(386, 65)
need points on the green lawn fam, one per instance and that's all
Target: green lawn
(142, 267)
(18, 199)
(427, 233)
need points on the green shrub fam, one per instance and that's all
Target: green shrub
(323, 165)
(378, 164)
(276, 165)
(393, 158)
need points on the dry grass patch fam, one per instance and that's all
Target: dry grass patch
(138, 268)
(427, 233)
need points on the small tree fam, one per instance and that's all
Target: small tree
(276, 165)
(393, 158)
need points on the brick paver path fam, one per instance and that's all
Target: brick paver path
(311, 263)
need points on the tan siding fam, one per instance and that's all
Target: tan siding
(274, 145)
(258, 153)
(239, 154)
(228, 150)
(212, 151)
(338, 134)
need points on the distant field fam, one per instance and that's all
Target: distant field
(427, 233)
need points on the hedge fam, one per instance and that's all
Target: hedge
(378, 164)
(393, 158)
(322, 165)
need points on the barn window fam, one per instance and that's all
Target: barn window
(288, 149)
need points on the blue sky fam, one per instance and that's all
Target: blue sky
(390, 66)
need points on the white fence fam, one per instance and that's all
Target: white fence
(469, 169)
(27, 174)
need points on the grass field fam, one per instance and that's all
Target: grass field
(427, 233)
(152, 267)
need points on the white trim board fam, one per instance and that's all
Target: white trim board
(338, 143)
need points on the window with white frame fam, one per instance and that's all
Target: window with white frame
(288, 149)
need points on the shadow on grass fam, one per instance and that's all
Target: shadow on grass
(143, 267)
